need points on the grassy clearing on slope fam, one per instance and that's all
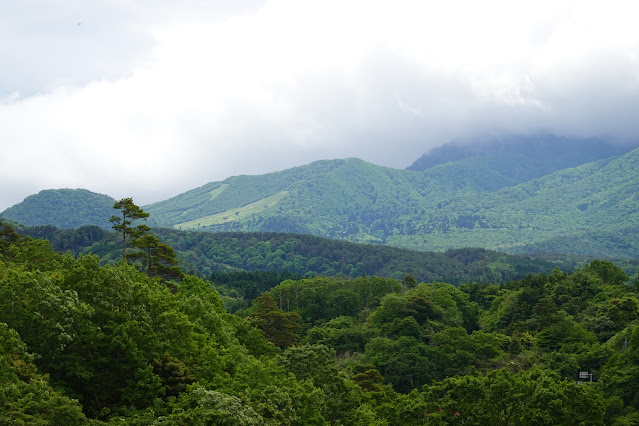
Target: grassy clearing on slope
(234, 214)
(217, 191)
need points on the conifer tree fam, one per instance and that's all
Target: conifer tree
(281, 328)
(130, 212)
(157, 258)
(8, 236)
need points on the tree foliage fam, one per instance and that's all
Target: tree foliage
(85, 343)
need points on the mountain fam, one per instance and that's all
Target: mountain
(473, 202)
(64, 208)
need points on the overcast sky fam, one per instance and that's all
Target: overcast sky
(150, 98)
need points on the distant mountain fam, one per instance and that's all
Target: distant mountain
(487, 202)
(64, 208)
(543, 154)
(593, 200)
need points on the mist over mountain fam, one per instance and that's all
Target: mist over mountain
(547, 153)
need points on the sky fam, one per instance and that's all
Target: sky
(150, 98)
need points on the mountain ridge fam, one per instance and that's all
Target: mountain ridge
(492, 202)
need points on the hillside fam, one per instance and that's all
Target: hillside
(473, 202)
(64, 208)
(203, 253)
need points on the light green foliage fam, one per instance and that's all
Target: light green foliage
(128, 348)
(207, 407)
(431, 305)
(620, 375)
(316, 363)
(239, 213)
(344, 334)
(323, 298)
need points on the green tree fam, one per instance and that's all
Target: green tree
(122, 225)
(26, 396)
(279, 327)
(8, 237)
(157, 258)
(535, 397)
(608, 272)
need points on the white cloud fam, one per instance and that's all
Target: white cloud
(152, 98)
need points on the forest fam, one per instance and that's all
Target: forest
(203, 253)
(84, 342)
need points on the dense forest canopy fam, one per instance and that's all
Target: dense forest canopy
(84, 343)
(204, 253)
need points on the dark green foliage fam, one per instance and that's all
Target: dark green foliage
(175, 375)
(155, 257)
(608, 272)
(280, 328)
(251, 284)
(294, 256)
(26, 397)
(8, 237)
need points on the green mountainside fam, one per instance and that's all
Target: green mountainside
(473, 202)
(64, 208)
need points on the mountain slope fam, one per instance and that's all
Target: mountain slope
(202, 253)
(598, 197)
(64, 208)
(474, 202)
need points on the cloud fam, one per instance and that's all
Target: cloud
(149, 99)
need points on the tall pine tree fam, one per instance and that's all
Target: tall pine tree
(130, 212)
